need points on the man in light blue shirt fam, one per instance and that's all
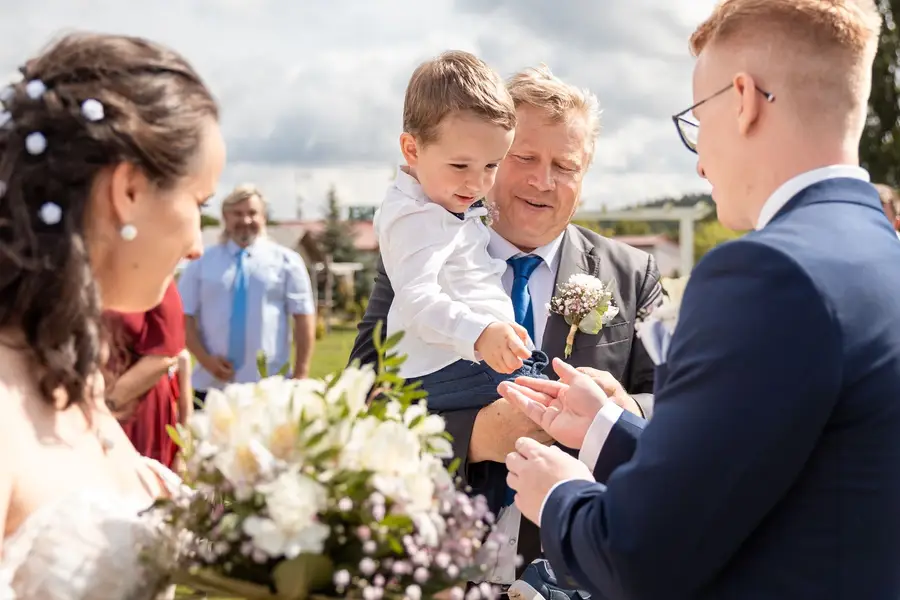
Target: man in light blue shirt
(244, 295)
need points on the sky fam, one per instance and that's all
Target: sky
(312, 92)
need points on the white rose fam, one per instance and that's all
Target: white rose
(384, 447)
(353, 385)
(293, 502)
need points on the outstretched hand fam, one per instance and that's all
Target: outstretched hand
(564, 409)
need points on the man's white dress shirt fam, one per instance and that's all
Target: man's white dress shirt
(606, 418)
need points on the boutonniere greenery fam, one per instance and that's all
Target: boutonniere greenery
(491, 208)
(586, 303)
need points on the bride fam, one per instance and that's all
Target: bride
(110, 148)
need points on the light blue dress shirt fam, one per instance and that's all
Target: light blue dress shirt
(278, 287)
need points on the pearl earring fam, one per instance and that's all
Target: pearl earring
(128, 232)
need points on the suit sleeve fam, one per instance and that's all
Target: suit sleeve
(639, 381)
(754, 374)
(377, 310)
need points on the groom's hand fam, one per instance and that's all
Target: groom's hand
(565, 409)
(533, 471)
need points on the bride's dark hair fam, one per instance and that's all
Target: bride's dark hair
(153, 107)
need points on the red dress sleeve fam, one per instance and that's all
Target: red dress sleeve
(159, 331)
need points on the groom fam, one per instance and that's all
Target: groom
(771, 468)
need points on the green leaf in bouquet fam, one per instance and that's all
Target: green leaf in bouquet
(208, 581)
(392, 341)
(376, 336)
(397, 522)
(454, 466)
(175, 435)
(394, 361)
(315, 438)
(395, 545)
(284, 370)
(297, 578)
(261, 364)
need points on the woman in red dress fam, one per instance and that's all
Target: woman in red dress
(151, 388)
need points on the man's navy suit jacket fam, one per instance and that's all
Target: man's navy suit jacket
(771, 468)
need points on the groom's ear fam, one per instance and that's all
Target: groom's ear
(750, 102)
(410, 149)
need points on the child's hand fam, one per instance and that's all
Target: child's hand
(502, 346)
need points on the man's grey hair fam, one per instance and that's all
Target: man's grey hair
(540, 88)
(242, 192)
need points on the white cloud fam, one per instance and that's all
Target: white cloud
(312, 92)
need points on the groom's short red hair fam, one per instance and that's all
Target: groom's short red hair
(850, 26)
(818, 51)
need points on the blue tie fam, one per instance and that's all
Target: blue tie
(238, 325)
(523, 267)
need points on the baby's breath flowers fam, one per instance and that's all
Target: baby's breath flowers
(586, 303)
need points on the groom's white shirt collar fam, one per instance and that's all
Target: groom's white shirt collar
(795, 185)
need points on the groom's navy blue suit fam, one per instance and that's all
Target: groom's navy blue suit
(771, 468)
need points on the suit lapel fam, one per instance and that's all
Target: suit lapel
(576, 256)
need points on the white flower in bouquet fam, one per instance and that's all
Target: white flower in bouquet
(334, 486)
(293, 502)
(352, 387)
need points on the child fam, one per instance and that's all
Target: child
(458, 125)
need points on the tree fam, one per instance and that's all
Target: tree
(208, 221)
(710, 233)
(338, 237)
(880, 146)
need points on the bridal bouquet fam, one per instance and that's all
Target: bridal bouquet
(299, 489)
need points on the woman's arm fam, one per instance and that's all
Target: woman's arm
(136, 381)
(186, 395)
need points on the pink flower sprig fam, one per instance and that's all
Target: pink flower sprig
(586, 303)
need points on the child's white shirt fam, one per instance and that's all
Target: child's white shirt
(447, 288)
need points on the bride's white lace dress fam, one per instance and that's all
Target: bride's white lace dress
(83, 546)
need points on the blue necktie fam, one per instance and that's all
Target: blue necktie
(523, 267)
(238, 325)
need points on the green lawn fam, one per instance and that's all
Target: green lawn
(332, 351)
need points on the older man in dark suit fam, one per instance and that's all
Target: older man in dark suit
(537, 191)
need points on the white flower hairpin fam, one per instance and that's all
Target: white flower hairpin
(35, 89)
(35, 143)
(50, 213)
(92, 110)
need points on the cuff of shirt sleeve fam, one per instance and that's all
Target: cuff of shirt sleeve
(547, 497)
(598, 432)
(467, 333)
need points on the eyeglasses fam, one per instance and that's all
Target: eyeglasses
(688, 129)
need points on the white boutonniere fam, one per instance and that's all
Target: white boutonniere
(656, 326)
(586, 303)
